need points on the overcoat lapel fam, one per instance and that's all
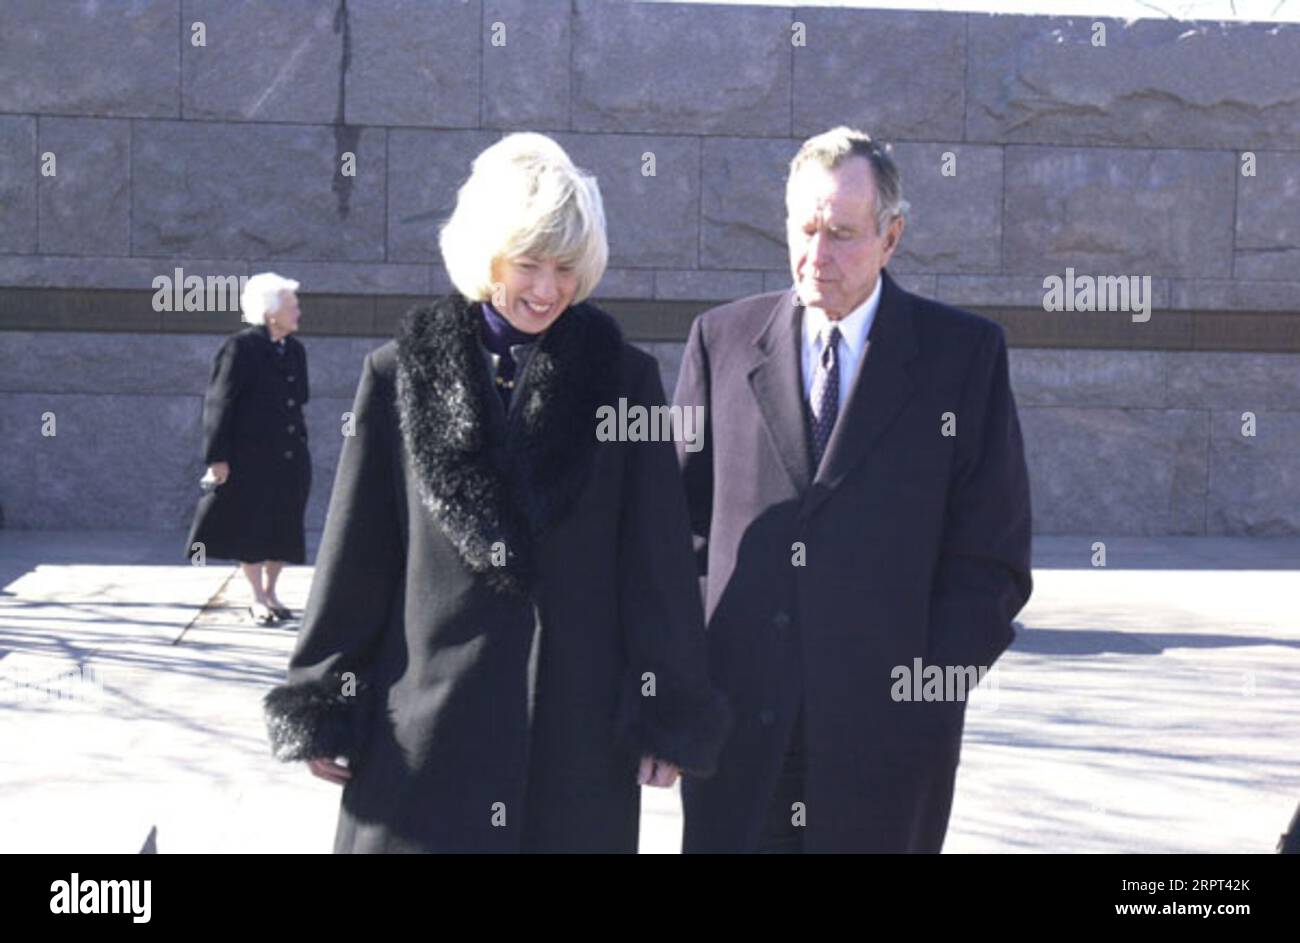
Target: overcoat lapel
(486, 483)
(776, 379)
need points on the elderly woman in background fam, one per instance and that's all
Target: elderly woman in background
(255, 446)
(504, 635)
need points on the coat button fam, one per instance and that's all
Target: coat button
(289, 401)
(781, 619)
(288, 453)
(767, 717)
(290, 378)
(291, 427)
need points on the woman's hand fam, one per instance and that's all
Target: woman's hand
(655, 772)
(326, 768)
(219, 471)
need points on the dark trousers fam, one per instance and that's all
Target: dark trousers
(780, 835)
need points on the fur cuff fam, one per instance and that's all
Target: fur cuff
(686, 726)
(316, 718)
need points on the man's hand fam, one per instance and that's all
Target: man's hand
(219, 472)
(655, 772)
(326, 768)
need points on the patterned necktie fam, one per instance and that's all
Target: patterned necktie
(825, 394)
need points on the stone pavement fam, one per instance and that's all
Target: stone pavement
(1151, 706)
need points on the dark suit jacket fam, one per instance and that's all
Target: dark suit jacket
(915, 545)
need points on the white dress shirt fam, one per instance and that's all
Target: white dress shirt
(852, 349)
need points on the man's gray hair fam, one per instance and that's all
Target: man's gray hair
(831, 148)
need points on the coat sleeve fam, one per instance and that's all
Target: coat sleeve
(322, 709)
(983, 575)
(668, 709)
(229, 377)
(697, 466)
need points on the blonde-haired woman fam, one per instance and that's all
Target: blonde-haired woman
(504, 636)
(255, 447)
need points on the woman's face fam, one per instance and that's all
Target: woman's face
(286, 316)
(532, 292)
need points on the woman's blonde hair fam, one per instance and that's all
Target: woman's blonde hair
(524, 196)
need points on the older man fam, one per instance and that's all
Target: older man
(860, 502)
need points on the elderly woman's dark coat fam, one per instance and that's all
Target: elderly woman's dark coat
(504, 615)
(252, 419)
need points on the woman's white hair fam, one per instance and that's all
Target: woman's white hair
(263, 294)
(524, 196)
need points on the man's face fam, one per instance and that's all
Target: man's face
(835, 254)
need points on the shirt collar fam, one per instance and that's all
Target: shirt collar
(854, 327)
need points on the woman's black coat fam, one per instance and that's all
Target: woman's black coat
(252, 419)
(505, 613)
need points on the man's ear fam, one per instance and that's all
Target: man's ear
(893, 236)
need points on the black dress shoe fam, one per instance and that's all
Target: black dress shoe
(282, 613)
(269, 619)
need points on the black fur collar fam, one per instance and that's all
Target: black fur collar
(485, 483)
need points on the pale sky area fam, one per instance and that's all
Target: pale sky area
(1276, 11)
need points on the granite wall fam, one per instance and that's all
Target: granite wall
(1170, 151)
